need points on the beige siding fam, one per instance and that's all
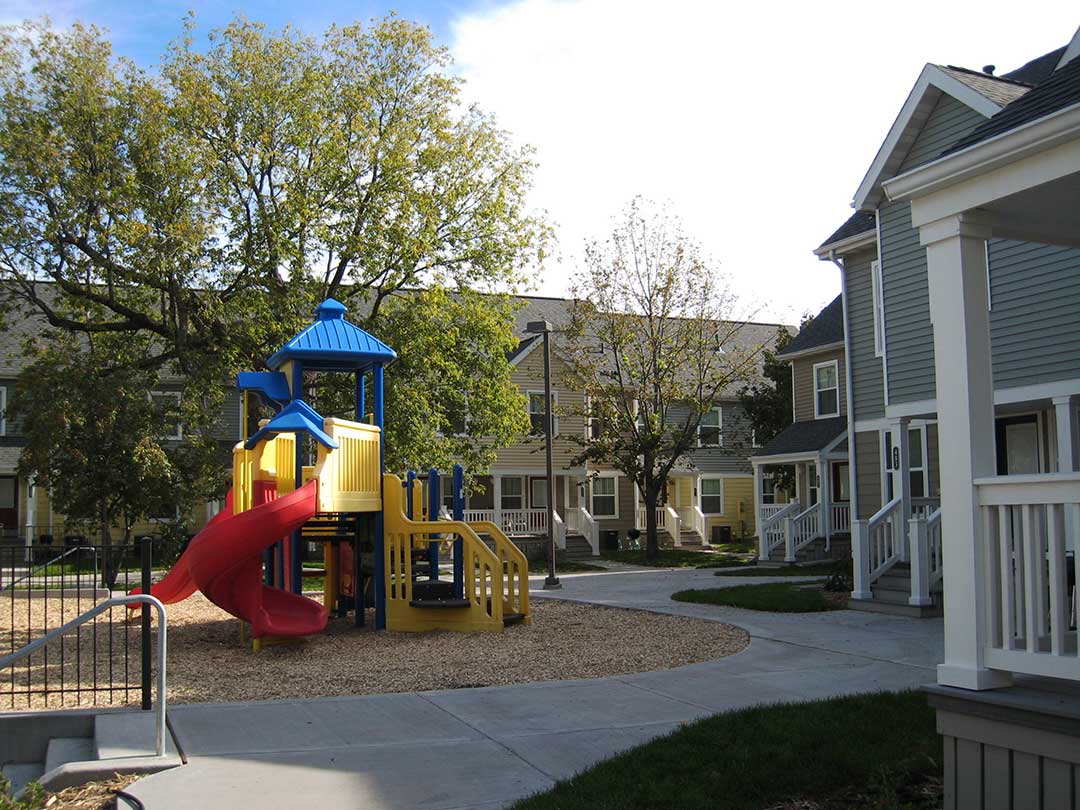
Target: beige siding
(738, 509)
(803, 387)
(529, 453)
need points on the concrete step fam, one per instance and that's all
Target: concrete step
(63, 750)
(20, 774)
(128, 734)
(894, 609)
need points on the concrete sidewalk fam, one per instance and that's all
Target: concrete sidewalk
(485, 748)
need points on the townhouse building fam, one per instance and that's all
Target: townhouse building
(961, 281)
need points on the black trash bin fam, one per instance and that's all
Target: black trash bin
(609, 540)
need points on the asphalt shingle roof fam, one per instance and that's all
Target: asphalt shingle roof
(998, 89)
(1038, 70)
(1060, 90)
(826, 328)
(805, 437)
(859, 222)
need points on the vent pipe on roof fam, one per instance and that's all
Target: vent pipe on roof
(989, 69)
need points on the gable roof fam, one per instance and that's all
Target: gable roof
(826, 329)
(1060, 90)
(999, 89)
(332, 343)
(859, 223)
(934, 81)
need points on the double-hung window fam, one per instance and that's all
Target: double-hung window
(605, 497)
(710, 429)
(917, 461)
(826, 389)
(537, 412)
(712, 496)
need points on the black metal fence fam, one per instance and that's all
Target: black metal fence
(107, 660)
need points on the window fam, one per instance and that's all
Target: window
(3, 410)
(887, 465)
(513, 493)
(605, 502)
(879, 309)
(168, 405)
(768, 488)
(709, 432)
(753, 439)
(712, 496)
(594, 422)
(538, 493)
(812, 484)
(917, 462)
(841, 481)
(537, 412)
(826, 390)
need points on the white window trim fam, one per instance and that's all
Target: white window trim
(179, 435)
(592, 509)
(836, 368)
(878, 288)
(701, 494)
(523, 495)
(753, 440)
(719, 427)
(554, 405)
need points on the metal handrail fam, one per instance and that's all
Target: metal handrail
(78, 621)
(53, 561)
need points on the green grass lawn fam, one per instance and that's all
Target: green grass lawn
(879, 752)
(778, 597)
(562, 566)
(674, 558)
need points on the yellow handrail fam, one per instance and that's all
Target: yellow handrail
(515, 564)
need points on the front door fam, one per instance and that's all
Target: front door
(9, 504)
(1018, 445)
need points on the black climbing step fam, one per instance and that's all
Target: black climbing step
(439, 603)
(513, 618)
(433, 589)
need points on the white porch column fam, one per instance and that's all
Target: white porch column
(959, 311)
(496, 498)
(824, 499)
(1065, 413)
(763, 551)
(902, 479)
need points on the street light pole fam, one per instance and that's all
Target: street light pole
(544, 328)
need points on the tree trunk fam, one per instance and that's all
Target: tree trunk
(652, 534)
(108, 565)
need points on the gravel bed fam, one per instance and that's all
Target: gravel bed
(208, 663)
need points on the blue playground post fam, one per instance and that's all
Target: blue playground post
(379, 541)
(433, 514)
(360, 396)
(459, 543)
(296, 567)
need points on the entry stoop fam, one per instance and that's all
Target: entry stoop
(892, 590)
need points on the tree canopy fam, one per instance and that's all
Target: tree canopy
(203, 210)
(652, 342)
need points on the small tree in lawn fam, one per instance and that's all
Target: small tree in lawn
(652, 343)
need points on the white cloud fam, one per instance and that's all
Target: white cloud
(756, 121)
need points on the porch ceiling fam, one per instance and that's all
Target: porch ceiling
(1049, 213)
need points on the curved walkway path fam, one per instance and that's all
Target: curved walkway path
(485, 748)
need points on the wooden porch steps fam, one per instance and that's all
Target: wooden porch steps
(577, 549)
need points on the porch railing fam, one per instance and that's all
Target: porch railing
(924, 507)
(560, 530)
(840, 517)
(513, 522)
(881, 542)
(667, 520)
(1030, 527)
(771, 532)
(770, 509)
(581, 521)
(801, 530)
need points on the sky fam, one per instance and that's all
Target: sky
(754, 122)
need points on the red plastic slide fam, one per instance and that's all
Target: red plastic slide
(224, 561)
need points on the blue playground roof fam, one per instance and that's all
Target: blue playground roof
(333, 344)
(295, 417)
(270, 385)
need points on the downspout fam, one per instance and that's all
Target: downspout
(854, 504)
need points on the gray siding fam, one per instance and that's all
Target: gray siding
(908, 334)
(949, 121)
(867, 389)
(1035, 312)
(909, 337)
(227, 426)
(868, 473)
(734, 456)
(804, 383)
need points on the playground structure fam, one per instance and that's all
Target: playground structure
(301, 478)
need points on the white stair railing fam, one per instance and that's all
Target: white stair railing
(771, 532)
(674, 521)
(581, 521)
(881, 544)
(560, 530)
(924, 537)
(801, 530)
(693, 519)
(770, 509)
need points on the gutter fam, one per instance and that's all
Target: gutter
(985, 156)
(853, 492)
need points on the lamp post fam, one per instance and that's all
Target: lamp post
(544, 328)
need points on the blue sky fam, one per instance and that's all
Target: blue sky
(754, 121)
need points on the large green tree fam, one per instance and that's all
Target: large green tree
(653, 343)
(206, 208)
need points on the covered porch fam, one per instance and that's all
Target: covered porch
(1009, 561)
(802, 495)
